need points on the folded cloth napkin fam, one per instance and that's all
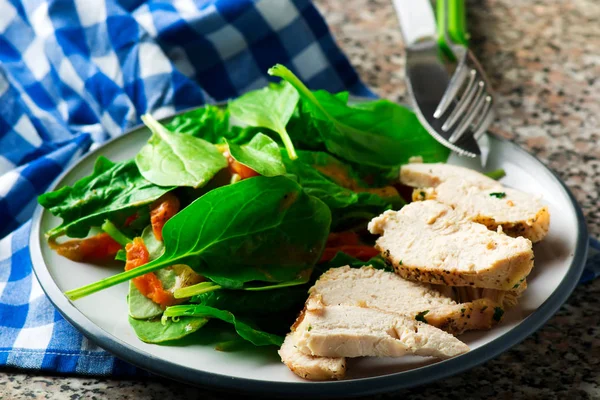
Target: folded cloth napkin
(75, 73)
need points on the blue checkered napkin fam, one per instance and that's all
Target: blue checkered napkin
(33, 335)
(75, 73)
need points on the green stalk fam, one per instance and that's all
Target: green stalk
(295, 282)
(194, 290)
(496, 174)
(284, 73)
(115, 233)
(289, 146)
(116, 279)
(180, 310)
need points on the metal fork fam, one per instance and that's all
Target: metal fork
(467, 104)
(453, 97)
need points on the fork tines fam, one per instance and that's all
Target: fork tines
(467, 102)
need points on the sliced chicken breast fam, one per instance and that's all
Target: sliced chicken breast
(482, 199)
(372, 288)
(368, 287)
(346, 331)
(310, 367)
(431, 242)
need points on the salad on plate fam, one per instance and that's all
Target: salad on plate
(228, 215)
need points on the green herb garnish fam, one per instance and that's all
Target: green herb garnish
(498, 195)
(421, 316)
(498, 313)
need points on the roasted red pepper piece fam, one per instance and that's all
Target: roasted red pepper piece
(95, 249)
(239, 168)
(161, 210)
(149, 285)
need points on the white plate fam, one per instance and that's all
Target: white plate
(102, 317)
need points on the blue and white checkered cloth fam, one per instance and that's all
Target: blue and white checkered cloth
(74, 73)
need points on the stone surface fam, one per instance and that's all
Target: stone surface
(544, 61)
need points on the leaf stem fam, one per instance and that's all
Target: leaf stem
(289, 146)
(115, 233)
(295, 282)
(284, 73)
(189, 291)
(114, 280)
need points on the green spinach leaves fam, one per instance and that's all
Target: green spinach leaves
(380, 134)
(157, 331)
(113, 188)
(210, 123)
(175, 159)
(261, 154)
(254, 303)
(270, 107)
(244, 329)
(323, 176)
(264, 229)
(255, 243)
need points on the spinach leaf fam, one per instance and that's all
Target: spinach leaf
(256, 303)
(110, 190)
(261, 228)
(154, 246)
(121, 255)
(303, 131)
(381, 134)
(261, 154)
(172, 278)
(242, 135)
(270, 107)
(245, 330)
(155, 331)
(173, 159)
(210, 123)
(347, 177)
(319, 173)
(141, 307)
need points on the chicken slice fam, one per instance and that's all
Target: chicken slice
(310, 367)
(430, 242)
(346, 331)
(482, 199)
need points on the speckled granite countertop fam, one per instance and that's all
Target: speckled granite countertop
(543, 58)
